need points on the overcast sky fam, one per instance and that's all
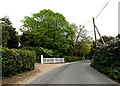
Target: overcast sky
(75, 11)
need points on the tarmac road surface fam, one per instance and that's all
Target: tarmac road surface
(75, 73)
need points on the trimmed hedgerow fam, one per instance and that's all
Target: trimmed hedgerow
(106, 58)
(15, 61)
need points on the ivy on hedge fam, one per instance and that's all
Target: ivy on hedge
(106, 58)
(15, 61)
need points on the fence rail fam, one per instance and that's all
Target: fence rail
(52, 60)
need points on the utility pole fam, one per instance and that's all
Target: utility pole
(95, 31)
(100, 35)
(95, 25)
(98, 32)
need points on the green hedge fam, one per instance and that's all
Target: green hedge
(39, 51)
(72, 58)
(106, 59)
(15, 61)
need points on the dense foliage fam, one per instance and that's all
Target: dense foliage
(48, 30)
(81, 49)
(106, 58)
(82, 43)
(106, 39)
(9, 35)
(72, 58)
(40, 51)
(16, 61)
(93, 45)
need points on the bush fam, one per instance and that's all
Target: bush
(115, 73)
(72, 58)
(15, 61)
(106, 58)
(39, 51)
(67, 58)
(77, 58)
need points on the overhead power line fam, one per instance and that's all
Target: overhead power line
(87, 21)
(95, 28)
(104, 6)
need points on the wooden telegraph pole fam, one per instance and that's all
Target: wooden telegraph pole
(95, 31)
(98, 33)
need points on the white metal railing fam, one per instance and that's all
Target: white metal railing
(52, 60)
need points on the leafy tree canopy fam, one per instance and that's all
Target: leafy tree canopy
(9, 35)
(48, 30)
(81, 33)
(82, 41)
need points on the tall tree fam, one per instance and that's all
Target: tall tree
(81, 34)
(82, 41)
(9, 35)
(48, 30)
(81, 49)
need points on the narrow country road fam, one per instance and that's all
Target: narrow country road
(75, 73)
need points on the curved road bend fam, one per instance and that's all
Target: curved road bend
(75, 73)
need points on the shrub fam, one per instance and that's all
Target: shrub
(115, 74)
(67, 58)
(72, 58)
(15, 61)
(77, 58)
(39, 51)
(106, 58)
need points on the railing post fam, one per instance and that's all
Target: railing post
(41, 59)
(63, 60)
(54, 60)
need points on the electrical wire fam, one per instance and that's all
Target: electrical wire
(87, 21)
(104, 6)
